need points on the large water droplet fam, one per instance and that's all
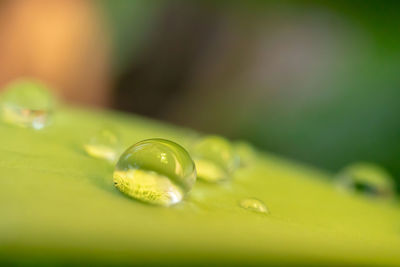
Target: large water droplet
(215, 159)
(253, 204)
(367, 178)
(27, 103)
(155, 171)
(105, 145)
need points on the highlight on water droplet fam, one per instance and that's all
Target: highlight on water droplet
(27, 103)
(155, 171)
(105, 144)
(215, 159)
(245, 153)
(368, 179)
(254, 205)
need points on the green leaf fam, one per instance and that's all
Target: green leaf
(59, 206)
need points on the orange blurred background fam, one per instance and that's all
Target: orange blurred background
(64, 43)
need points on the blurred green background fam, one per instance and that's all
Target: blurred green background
(315, 81)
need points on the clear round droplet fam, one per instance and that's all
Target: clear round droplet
(215, 159)
(155, 171)
(27, 103)
(245, 153)
(105, 144)
(254, 205)
(368, 179)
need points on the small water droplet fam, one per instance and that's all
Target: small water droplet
(105, 145)
(245, 153)
(215, 159)
(368, 179)
(253, 204)
(27, 103)
(155, 171)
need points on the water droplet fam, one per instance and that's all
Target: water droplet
(155, 171)
(214, 158)
(245, 153)
(366, 178)
(105, 145)
(254, 205)
(27, 103)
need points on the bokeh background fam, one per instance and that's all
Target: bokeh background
(314, 81)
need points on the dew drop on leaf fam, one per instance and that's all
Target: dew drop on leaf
(366, 178)
(215, 159)
(245, 153)
(254, 205)
(155, 171)
(27, 103)
(105, 144)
